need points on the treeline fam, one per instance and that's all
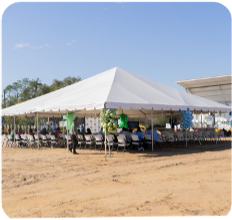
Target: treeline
(25, 89)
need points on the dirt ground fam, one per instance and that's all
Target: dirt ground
(166, 182)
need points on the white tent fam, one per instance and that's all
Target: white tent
(116, 88)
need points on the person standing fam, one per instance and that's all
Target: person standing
(73, 133)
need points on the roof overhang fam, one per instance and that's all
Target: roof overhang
(215, 88)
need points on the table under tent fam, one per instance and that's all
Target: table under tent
(126, 92)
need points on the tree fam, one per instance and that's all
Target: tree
(25, 89)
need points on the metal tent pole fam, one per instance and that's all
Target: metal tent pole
(105, 129)
(186, 137)
(152, 144)
(67, 132)
(38, 128)
(14, 130)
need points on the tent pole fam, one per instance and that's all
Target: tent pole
(105, 129)
(14, 130)
(201, 121)
(37, 128)
(67, 131)
(152, 144)
(186, 137)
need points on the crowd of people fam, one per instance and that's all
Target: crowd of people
(76, 130)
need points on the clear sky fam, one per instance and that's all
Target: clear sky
(161, 41)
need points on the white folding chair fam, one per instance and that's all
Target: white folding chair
(18, 140)
(89, 140)
(81, 140)
(136, 142)
(31, 141)
(122, 142)
(99, 141)
(54, 142)
(110, 141)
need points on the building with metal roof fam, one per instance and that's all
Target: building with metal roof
(215, 88)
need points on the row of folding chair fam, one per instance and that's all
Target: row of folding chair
(97, 141)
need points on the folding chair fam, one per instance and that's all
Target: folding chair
(48, 139)
(54, 142)
(122, 142)
(38, 139)
(148, 139)
(110, 141)
(70, 142)
(4, 140)
(44, 140)
(99, 141)
(169, 137)
(24, 140)
(31, 141)
(10, 141)
(180, 137)
(136, 142)
(89, 140)
(18, 140)
(81, 140)
(222, 135)
(160, 138)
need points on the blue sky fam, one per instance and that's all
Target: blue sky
(161, 41)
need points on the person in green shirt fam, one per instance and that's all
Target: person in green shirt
(12, 134)
(73, 132)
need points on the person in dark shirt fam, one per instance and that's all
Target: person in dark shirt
(31, 132)
(88, 131)
(54, 134)
(44, 131)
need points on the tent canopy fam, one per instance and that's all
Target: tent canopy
(117, 88)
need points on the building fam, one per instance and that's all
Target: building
(215, 88)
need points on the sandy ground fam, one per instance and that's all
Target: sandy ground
(166, 182)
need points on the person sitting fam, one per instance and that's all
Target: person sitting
(88, 131)
(79, 132)
(127, 134)
(115, 137)
(139, 133)
(20, 132)
(101, 133)
(53, 126)
(58, 131)
(155, 137)
(54, 134)
(44, 131)
(12, 134)
(31, 132)
(140, 136)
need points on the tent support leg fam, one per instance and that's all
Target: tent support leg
(186, 137)
(38, 128)
(152, 144)
(14, 131)
(67, 132)
(105, 130)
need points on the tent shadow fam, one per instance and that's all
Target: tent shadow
(182, 150)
